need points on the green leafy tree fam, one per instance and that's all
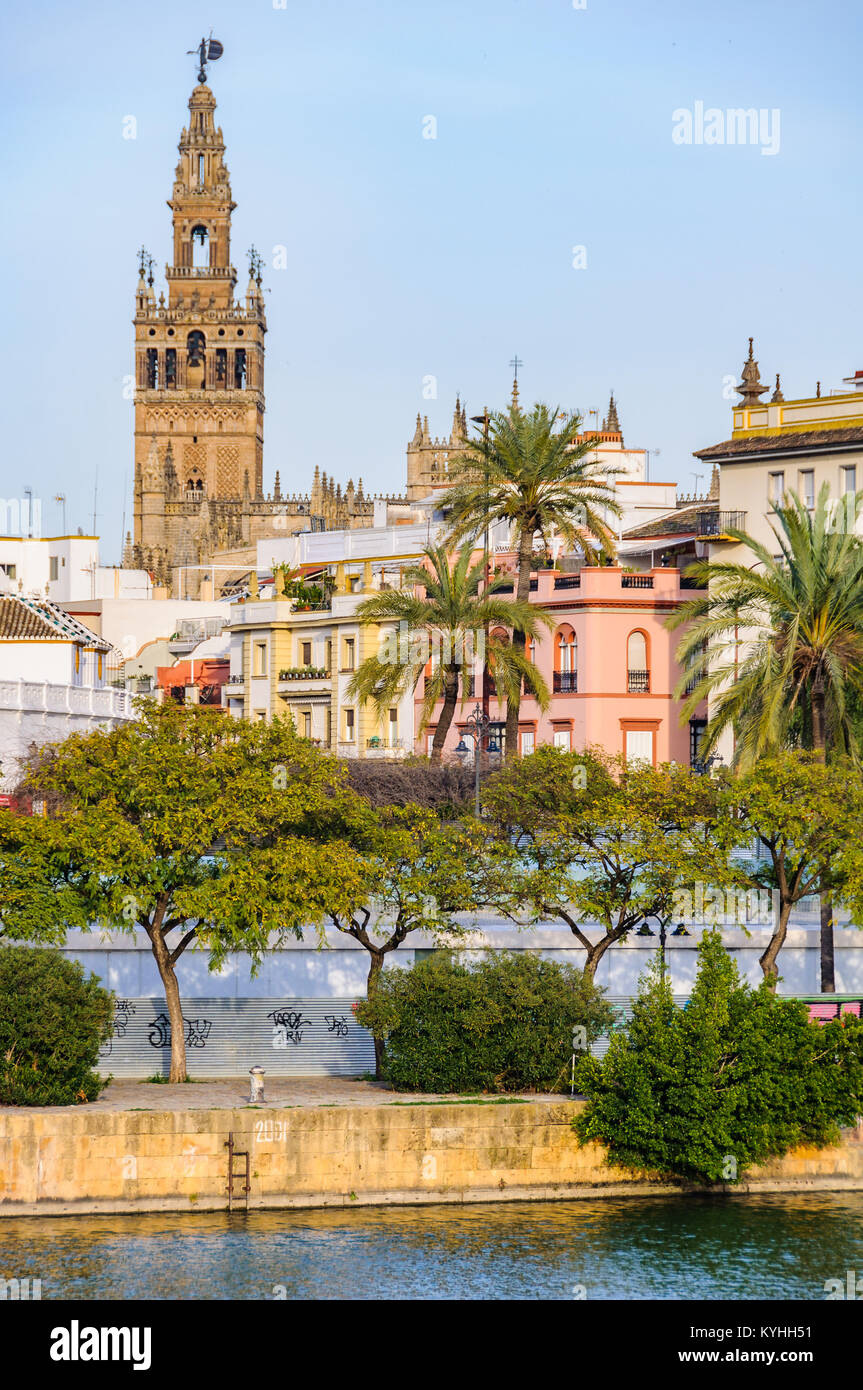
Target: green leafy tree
(736, 1078)
(774, 637)
(189, 826)
(799, 810)
(776, 644)
(503, 1023)
(445, 625)
(52, 1021)
(413, 873)
(533, 473)
(602, 844)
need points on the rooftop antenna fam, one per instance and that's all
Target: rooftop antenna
(208, 51)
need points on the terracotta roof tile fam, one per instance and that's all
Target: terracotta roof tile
(776, 443)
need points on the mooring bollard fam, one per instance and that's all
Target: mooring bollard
(256, 1085)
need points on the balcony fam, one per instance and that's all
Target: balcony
(303, 682)
(716, 525)
(509, 588)
(97, 702)
(565, 682)
(638, 682)
(382, 747)
(636, 581)
(304, 673)
(567, 581)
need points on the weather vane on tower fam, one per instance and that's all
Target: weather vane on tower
(208, 51)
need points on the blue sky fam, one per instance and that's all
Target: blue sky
(412, 257)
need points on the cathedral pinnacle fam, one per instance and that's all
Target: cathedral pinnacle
(611, 423)
(750, 387)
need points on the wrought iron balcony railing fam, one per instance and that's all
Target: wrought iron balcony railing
(720, 523)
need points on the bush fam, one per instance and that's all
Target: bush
(737, 1077)
(445, 788)
(504, 1023)
(52, 1020)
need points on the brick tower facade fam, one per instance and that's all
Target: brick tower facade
(199, 368)
(199, 392)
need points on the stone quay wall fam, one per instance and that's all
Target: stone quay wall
(121, 1161)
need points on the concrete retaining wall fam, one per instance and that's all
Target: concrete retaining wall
(73, 1162)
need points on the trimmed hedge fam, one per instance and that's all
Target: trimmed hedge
(52, 1021)
(503, 1023)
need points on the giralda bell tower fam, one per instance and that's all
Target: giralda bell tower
(199, 365)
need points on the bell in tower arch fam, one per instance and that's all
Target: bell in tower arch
(195, 360)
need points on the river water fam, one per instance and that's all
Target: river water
(711, 1248)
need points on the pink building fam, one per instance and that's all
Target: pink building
(609, 663)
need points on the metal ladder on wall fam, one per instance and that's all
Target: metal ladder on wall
(233, 1177)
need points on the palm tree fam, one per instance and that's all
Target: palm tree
(779, 645)
(530, 471)
(442, 626)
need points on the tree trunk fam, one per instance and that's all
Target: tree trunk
(522, 593)
(450, 700)
(828, 977)
(175, 1008)
(819, 742)
(376, 963)
(767, 961)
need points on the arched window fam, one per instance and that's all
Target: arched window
(196, 344)
(497, 637)
(195, 360)
(638, 673)
(565, 661)
(200, 247)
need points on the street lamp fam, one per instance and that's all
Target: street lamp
(644, 930)
(484, 420)
(478, 726)
(703, 765)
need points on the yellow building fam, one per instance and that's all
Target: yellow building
(780, 446)
(290, 658)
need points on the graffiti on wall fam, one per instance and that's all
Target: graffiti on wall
(195, 1030)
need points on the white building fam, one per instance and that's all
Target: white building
(53, 680)
(64, 568)
(146, 635)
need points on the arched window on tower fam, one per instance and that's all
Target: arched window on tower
(170, 367)
(196, 345)
(201, 175)
(239, 369)
(221, 366)
(153, 369)
(200, 247)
